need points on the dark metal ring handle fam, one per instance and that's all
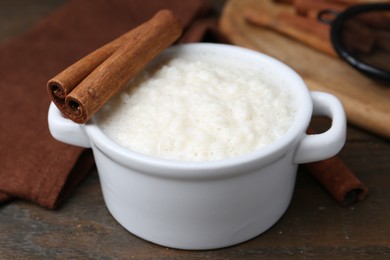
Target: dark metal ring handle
(327, 16)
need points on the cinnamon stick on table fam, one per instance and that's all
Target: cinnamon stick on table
(335, 176)
(83, 88)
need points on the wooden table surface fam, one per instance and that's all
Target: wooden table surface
(314, 226)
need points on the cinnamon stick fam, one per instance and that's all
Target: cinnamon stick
(63, 83)
(305, 30)
(82, 89)
(370, 25)
(357, 36)
(379, 20)
(335, 176)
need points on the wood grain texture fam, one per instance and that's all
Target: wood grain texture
(314, 226)
(365, 101)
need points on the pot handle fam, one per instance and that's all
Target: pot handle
(65, 130)
(325, 145)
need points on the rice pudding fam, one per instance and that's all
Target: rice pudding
(199, 108)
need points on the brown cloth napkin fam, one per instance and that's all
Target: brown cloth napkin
(33, 166)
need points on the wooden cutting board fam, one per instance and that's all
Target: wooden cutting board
(367, 102)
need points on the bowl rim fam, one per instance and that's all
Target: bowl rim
(251, 161)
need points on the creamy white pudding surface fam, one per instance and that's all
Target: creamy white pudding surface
(199, 108)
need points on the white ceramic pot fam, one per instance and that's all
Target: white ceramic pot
(207, 205)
